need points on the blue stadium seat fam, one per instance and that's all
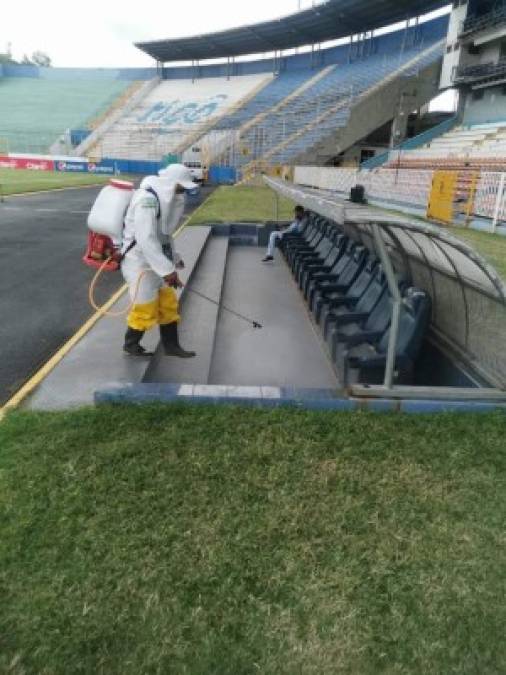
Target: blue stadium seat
(365, 362)
(333, 289)
(357, 303)
(311, 273)
(339, 337)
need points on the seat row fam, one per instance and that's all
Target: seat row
(347, 292)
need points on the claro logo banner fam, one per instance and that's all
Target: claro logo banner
(30, 163)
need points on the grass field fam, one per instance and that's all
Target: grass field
(205, 540)
(15, 181)
(491, 246)
(242, 203)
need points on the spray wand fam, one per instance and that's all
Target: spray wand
(255, 324)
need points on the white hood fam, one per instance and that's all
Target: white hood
(180, 174)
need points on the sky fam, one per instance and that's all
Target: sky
(101, 33)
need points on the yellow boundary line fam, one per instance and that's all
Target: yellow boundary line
(48, 367)
(25, 391)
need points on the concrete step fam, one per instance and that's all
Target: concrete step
(98, 360)
(199, 321)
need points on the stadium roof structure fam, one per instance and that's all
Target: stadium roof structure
(330, 20)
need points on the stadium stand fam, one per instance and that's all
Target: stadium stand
(246, 118)
(172, 112)
(326, 107)
(478, 147)
(36, 111)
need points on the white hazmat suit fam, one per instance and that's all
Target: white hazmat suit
(155, 212)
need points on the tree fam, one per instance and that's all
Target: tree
(6, 57)
(40, 58)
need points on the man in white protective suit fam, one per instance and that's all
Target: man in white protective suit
(150, 264)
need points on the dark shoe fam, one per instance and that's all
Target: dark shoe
(132, 343)
(170, 342)
(268, 258)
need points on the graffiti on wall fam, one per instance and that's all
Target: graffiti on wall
(182, 113)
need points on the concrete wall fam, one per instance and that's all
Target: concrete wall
(491, 108)
(490, 53)
(353, 156)
(453, 51)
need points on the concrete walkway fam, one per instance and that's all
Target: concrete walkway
(98, 359)
(288, 351)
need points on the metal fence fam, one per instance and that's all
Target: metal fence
(404, 187)
(481, 194)
(490, 198)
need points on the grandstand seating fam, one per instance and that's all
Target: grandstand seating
(172, 112)
(278, 89)
(347, 291)
(326, 106)
(464, 148)
(271, 117)
(274, 117)
(36, 111)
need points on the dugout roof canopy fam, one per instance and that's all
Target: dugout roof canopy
(329, 20)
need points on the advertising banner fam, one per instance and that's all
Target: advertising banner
(33, 164)
(83, 166)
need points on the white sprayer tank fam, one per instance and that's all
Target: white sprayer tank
(107, 214)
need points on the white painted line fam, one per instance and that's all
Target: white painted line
(27, 208)
(42, 192)
(59, 211)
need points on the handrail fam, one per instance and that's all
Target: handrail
(479, 71)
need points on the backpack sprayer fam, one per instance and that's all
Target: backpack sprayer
(105, 243)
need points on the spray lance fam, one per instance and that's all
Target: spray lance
(177, 283)
(255, 324)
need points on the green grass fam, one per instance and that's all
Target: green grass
(205, 540)
(15, 181)
(242, 203)
(491, 246)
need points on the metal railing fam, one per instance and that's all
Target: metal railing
(480, 72)
(476, 23)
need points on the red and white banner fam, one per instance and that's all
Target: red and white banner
(32, 163)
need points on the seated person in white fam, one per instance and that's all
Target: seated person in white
(295, 227)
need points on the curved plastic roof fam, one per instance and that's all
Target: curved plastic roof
(327, 21)
(468, 295)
